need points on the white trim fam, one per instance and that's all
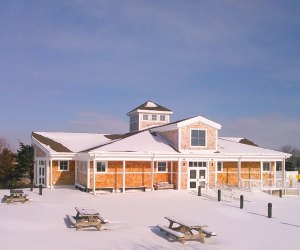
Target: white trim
(51, 175)
(156, 170)
(94, 177)
(152, 173)
(88, 175)
(63, 170)
(106, 167)
(171, 171)
(149, 111)
(239, 172)
(179, 174)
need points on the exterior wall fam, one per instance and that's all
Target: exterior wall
(229, 176)
(175, 175)
(81, 178)
(171, 136)
(137, 174)
(184, 175)
(212, 173)
(63, 177)
(250, 170)
(211, 136)
(134, 127)
(148, 124)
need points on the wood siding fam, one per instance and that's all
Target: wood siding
(63, 177)
(171, 136)
(211, 135)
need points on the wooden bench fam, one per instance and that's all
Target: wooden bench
(178, 235)
(71, 219)
(163, 185)
(143, 188)
(208, 233)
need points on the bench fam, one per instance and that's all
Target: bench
(163, 185)
(71, 219)
(110, 189)
(16, 191)
(177, 235)
(104, 221)
(143, 188)
(81, 187)
(208, 233)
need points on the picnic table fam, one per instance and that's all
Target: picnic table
(185, 230)
(16, 195)
(87, 217)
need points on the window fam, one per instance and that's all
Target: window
(145, 117)
(63, 165)
(266, 166)
(154, 117)
(134, 118)
(220, 166)
(101, 167)
(200, 164)
(162, 118)
(161, 166)
(198, 137)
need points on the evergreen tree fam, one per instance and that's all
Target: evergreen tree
(24, 158)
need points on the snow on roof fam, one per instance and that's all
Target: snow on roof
(235, 139)
(140, 142)
(75, 142)
(231, 147)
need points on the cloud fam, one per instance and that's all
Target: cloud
(99, 123)
(271, 131)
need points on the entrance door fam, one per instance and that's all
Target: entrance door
(197, 174)
(41, 172)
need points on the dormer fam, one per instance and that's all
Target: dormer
(192, 134)
(147, 115)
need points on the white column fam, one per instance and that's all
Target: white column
(124, 176)
(94, 177)
(239, 171)
(51, 176)
(283, 173)
(171, 171)
(152, 173)
(216, 171)
(261, 175)
(179, 174)
(88, 175)
(76, 167)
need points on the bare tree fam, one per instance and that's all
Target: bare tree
(3, 144)
(291, 163)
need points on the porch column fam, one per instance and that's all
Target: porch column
(124, 176)
(179, 174)
(152, 173)
(283, 173)
(216, 171)
(94, 177)
(51, 180)
(171, 172)
(76, 166)
(88, 176)
(261, 175)
(239, 171)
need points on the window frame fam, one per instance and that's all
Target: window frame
(161, 171)
(219, 171)
(152, 117)
(164, 118)
(145, 116)
(269, 167)
(205, 138)
(105, 165)
(63, 170)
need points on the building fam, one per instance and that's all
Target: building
(187, 153)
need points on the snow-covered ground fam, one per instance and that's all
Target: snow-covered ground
(42, 224)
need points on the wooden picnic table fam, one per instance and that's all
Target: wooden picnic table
(16, 195)
(87, 217)
(185, 230)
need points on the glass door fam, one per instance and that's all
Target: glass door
(41, 172)
(197, 174)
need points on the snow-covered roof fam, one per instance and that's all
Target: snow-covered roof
(143, 142)
(69, 142)
(235, 139)
(227, 146)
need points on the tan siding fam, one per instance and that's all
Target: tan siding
(63, 177)
(210, 137)
(171, 136)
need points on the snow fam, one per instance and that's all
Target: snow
(140, 142)
(42, 224)
(230, 147)
(76, 142)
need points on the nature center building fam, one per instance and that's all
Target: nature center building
(186, 153)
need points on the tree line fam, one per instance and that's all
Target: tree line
(16, 169)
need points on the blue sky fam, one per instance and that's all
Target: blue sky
(79, 66)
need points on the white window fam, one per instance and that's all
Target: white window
(266, 166)
(199, 164)
(85, 166)
(198, 137)
(161, 166)
(162, 118)
(220, 166)
(63, 165)
(134, 118)
(153, 117)
(101, 167)
(145, 117)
